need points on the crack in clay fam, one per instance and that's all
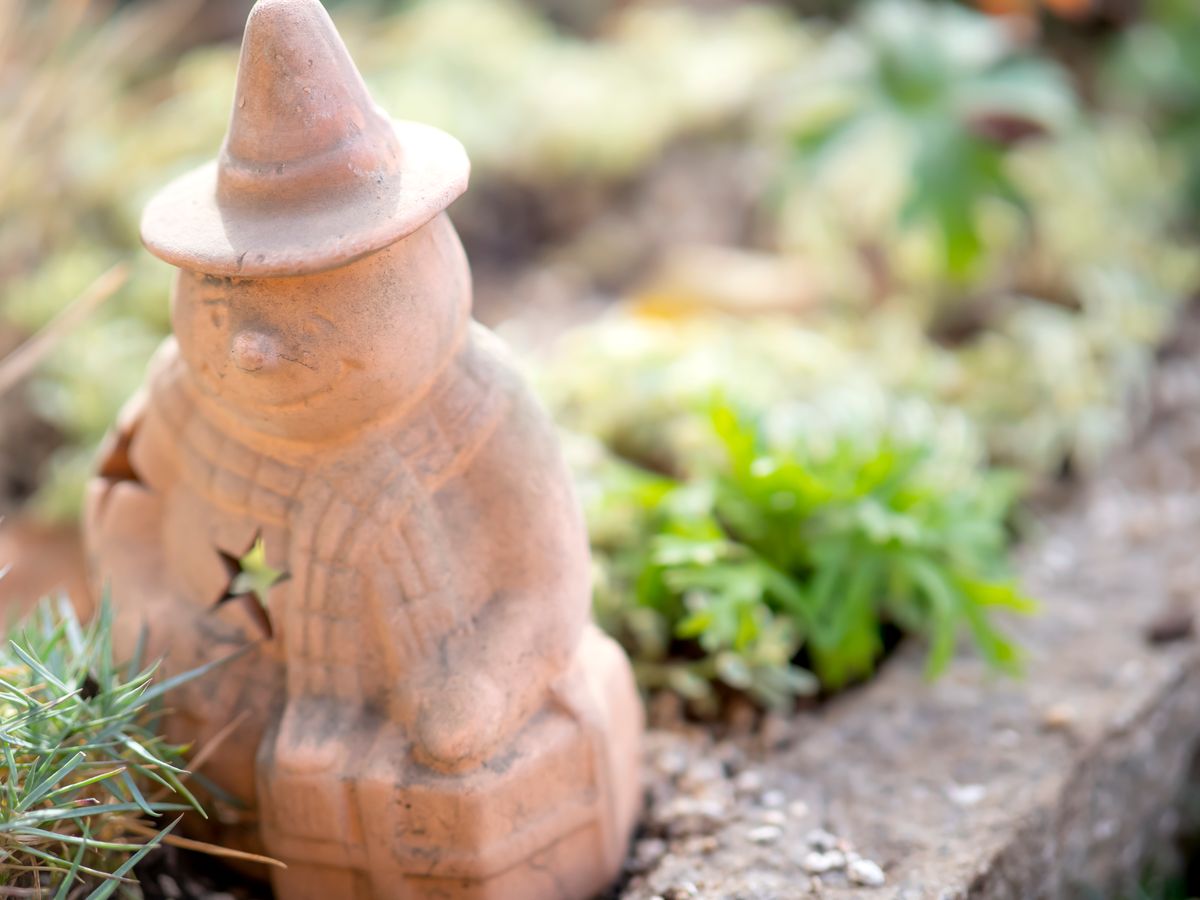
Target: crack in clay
(298, 361)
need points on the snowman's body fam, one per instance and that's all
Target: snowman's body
(428, 711)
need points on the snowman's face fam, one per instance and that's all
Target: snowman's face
(317, 355)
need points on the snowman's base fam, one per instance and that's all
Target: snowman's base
(549, 816)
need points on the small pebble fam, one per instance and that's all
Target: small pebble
(1175, 623)
(698, 845)
(773, 799)
(701, 773)
(820, 839)
(966, 794)
(685, 816)
(681, 891)
(1059, 717)
(647, 852)
(671, 763)
(866, 872)
(169, 886)
(749, 782)
(773, 817)
(765, 834)
(818, 863)
(797, 809)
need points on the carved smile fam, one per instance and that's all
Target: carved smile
(218, 382)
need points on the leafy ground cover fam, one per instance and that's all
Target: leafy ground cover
(761, 537)
(796, 546)
(999, 289)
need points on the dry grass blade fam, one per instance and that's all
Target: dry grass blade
(205, 753)
(137, 827)
(18, 364)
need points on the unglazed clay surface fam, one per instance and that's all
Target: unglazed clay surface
(426, 710)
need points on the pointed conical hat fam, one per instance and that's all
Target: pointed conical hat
(312, 173)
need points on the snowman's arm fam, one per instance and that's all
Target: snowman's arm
(122, 519)
(120, 465)
(525, 540)
(123, 504)
(113, 463)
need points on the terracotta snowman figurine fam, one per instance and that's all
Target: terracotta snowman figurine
(426, 709)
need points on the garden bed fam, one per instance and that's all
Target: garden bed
(976, 786)
(1064, 781)
(1012, 328)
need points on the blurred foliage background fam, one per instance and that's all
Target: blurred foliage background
(820, 292)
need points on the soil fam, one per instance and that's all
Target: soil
(174, 874)
(544, 256)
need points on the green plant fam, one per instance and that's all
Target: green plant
(1092, 300)
(947, 91)
(799, 549)
(83, 766)
(1156, 66)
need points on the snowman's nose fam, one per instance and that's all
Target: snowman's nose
(253, 351)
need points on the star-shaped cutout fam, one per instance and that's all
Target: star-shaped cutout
(251, 578)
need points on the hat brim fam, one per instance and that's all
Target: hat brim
(185, 224)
